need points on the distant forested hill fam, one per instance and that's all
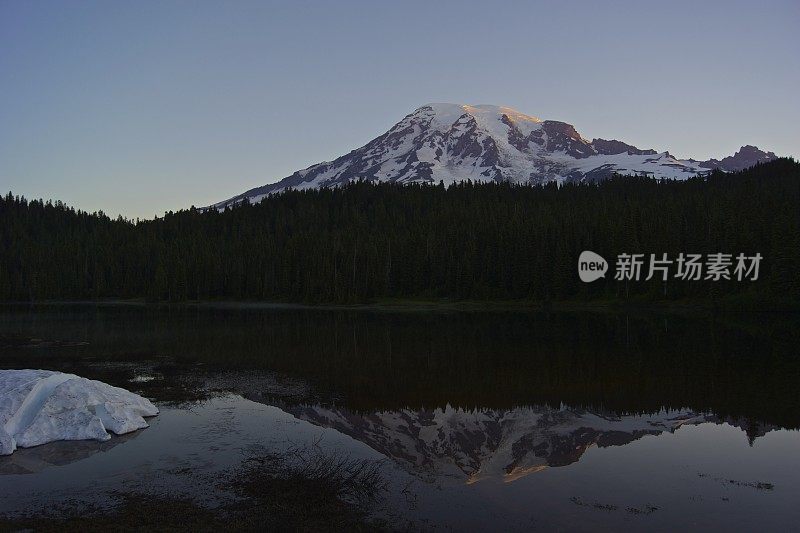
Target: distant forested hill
(364, 242)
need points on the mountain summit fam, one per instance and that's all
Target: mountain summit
(455, 142)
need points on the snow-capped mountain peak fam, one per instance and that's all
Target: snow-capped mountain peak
(490, 117)
(450, 143)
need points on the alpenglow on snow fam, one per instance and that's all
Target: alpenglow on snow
(451, 143)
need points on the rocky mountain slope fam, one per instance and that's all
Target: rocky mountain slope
(453, 142)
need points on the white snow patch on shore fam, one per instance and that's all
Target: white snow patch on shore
(41, 406)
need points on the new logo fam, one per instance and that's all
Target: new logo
(591, 266)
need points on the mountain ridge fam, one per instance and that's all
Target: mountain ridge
(450, 143)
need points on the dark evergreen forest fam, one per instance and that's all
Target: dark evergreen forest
(367, 242)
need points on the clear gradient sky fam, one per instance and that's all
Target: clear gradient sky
(140, 107)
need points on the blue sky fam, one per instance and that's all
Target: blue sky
(140, 107)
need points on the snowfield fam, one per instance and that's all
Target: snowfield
(41, 406)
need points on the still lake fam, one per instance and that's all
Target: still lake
(503, 420)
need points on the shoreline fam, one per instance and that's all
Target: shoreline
(448, 305)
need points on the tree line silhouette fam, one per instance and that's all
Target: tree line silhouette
(365, 241)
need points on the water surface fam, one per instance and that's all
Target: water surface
(503, 420)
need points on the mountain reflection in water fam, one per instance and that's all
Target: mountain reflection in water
(473, 394)
(492, 420)
(486, 443)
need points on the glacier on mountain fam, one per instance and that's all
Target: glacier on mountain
(451, 143)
